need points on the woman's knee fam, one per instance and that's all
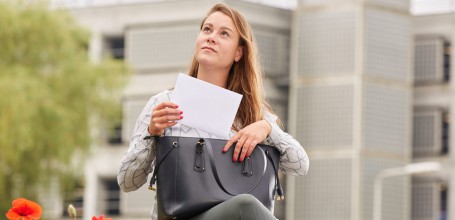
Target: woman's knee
(239, 207)
(246, 202)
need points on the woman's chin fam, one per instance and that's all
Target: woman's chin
(207, 62)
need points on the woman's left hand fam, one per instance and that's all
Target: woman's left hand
(248, 138)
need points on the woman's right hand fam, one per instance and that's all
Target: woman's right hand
(164, 115)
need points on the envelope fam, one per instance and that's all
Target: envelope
(205, 106)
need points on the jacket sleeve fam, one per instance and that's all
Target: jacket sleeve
(139, 159)
(294, 160)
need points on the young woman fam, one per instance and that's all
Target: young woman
(225, 55)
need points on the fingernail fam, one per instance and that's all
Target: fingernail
(181, 116)
(224, 151)
(233, 159)
(181, 112)
(176, 106)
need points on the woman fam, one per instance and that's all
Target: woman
(225, 55)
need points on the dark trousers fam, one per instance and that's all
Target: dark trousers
(240, 207)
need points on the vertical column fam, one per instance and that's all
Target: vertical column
(90, 192)
(96, 47)
(324, 107)
(451, 166)
(351, 105)
(386, 124)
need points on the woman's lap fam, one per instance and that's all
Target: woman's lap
(240, 207)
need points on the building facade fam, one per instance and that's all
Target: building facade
(157, 39)
(351, 102)
(363, 85)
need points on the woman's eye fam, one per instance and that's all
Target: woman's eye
(224, 33)
(205, 29)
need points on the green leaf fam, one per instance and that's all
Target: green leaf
(50, 93)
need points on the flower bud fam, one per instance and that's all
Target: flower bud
(72, 211)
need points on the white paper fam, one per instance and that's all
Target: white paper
(205, 106)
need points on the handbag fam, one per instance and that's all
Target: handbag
(193, 175)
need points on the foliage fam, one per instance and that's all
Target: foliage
(50, 93)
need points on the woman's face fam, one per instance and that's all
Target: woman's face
(217, 44)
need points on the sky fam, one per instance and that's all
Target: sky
(418, 7)
(88, 3)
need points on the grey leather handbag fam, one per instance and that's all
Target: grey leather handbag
(193, 175)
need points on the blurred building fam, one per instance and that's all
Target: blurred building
(363, 85)
(434, 104)
(157, 39)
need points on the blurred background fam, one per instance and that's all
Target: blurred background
(364, 85)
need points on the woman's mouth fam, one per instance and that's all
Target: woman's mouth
(208, 48)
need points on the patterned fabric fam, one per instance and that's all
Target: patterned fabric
(139, 160)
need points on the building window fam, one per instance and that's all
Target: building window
(115, 47)
(432, 60)
(76, 198)
(112, 197)
(445, 133)
(115, 135)
(113, 129)
(443, 203)
(447, 52)
(431, 133)
(429, 199)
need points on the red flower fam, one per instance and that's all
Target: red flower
(100, 218)
(24, 209)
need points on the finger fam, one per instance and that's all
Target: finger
(248, 147)
(158, 129)
(166, 111)
(245, 149)
(167, 118)
(238, 147)
(254, 143)
(158, 124)
(166, 105)
(230, 142)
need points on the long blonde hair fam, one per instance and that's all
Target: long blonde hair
(245, 76)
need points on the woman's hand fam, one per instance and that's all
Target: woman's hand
(164, 115)
(248, 138)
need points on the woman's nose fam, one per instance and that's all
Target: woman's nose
(210, 39)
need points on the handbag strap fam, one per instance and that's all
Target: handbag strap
(155, 171)
(215, 171)
(280, 191)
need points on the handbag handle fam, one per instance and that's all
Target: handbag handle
(215, 171)
(157, 166)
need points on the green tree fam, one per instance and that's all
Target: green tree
(50, 93)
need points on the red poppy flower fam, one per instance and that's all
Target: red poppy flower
(100, 218)
(24, 209)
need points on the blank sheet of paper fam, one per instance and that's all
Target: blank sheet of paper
(205, 106)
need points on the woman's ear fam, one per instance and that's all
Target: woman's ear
(238, 54)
